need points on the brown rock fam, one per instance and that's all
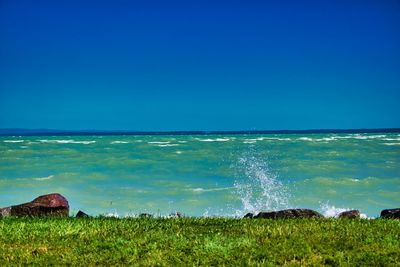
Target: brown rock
(391, 213)
(350, 214)
(81, 214)
(289, 214)
(52, 205)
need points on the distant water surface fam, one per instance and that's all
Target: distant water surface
(205, 175)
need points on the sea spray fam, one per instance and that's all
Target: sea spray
(258, 186)
(330, 211)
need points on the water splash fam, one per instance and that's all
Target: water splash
(330, 211)
(258, 186)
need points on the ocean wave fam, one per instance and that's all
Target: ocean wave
(202, 190)
(331, 211)
(363, 137)
(249, 142)
(305, 139)
(326, 139)
(213, 140)
(391, 144)
(70, 141)
(278, 138)
(43, 178)
(13, 141)
(167, 145)
(159, 142)
(391, 139)
(119, 142)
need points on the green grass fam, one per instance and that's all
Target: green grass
(198, 241)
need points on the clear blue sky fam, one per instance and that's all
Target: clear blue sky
(199, 65)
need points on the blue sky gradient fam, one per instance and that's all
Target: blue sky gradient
(199, 65)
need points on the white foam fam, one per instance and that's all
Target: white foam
(278, 138)
(392, 144)
(119, 142)
(201, 190)
(213, 140)
(182, 142)
(178, 152)
(44, 178)
(112, 215)
(331, 211)
(391, 139)
(249, 142)
(326, 139)
(305, 139)
(167, 145)
(159, 142)
(255, 139)
(13, 141)
(70, 141)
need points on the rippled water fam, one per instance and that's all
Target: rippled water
(205, 174)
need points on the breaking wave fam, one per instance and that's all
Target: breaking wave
(331, 211)
(67, 142)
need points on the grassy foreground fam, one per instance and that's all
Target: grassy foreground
(198, 241)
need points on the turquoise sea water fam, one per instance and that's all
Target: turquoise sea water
(205, 175)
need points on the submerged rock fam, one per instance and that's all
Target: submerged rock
(81, 214)
(289, 214)
(391, 213)
(51, 205)
(350, 214)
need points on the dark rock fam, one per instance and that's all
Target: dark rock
(350, 214)
(266, 215)
(289, 214)
(248, 215)
(52, 205)
(81, 214)
(391, 213)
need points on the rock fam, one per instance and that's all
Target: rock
(5, 212)
(81, 214)
(51, 205)
(266, 215)
(391, 213)
(350, 214)
(249, 215)
(289, 214)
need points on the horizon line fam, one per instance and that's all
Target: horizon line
(43, 131)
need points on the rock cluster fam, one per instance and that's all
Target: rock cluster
(287, 214)
(56, 205)
(51, 205)
(390, 214)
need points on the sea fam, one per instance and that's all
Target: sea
(207, 175)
